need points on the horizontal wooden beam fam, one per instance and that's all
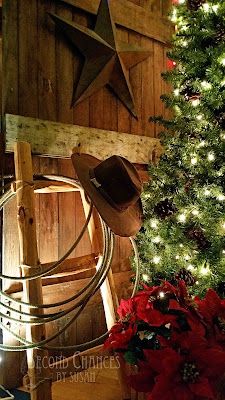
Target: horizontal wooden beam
(54, 139)
(60, 291)
(45, 186)
(131, 16)
(70, 269)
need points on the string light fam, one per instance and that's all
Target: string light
(174, 15)
(222, 61)
(195, 212)
(190, 267)
(211, 157)
(221, 197)
(204, 271)
(181, 218)
(181, 245)
(202, 143)
(176, 92)
(199, 117)
(154, 224)
(194, 161)
(223, 252)
(215, 7)
(206, 7)
(206, 85)
(156, 239)
(177, 257)
(161, 295)
(156, 259)
(145, 277)
(195, 102)
(187, 257)
(222, 136)
(223, 225)
(206, 192)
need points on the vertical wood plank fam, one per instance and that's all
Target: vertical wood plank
(81, 110)
(28, 62)
(136, 83)
(158, 82)
(148, 99)
(10, 57)
(46, 61)
(64, 70)
(48, 236)
(67, 212)
(124, 117)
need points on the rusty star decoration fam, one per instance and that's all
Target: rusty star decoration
(107, 61)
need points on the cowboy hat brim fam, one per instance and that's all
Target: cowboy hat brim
(122, 223)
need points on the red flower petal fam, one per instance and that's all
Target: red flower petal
(202, 389)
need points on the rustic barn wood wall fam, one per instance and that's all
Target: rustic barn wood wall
(39, 69)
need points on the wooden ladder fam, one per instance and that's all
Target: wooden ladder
(39, 377)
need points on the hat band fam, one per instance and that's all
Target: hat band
(104, 194)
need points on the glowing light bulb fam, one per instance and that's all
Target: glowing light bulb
(206, 192)
(194, 161)
(204, 271)
(206, 85)
(176, 92)
(222, 136)
(154, 224)
(195, 102)
(181, 1)
(195, 212)
(206, 7)
(177, 257)
(223, 225)
(211, 157)
(182, 218)
(156, 239)
(223, 252)
(199, 117)
(222, 61)
(221, 197)
(190, 267)
(156, 259)
(181, 245)
(161, 295)
(187, 257)
(145, 277)
(215, 8)
(202, 143)
(174, 15)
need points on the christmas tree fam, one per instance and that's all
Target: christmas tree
(183, 235)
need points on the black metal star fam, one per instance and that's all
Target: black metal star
(107, 62)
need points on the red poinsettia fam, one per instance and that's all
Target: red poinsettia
(176, 342)
(120, 335)
(189, 372)
(212, 308)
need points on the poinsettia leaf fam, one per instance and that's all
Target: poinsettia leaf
(130, 357)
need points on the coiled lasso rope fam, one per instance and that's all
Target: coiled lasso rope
(82, 296)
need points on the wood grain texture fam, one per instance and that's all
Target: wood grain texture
(140, 20)
(10, 50)
(97, 142)
(28, 58)
(29, 261)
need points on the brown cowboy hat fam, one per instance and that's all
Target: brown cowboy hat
(114, 187)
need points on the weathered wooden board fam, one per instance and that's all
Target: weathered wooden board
(140, 20)
(54, 139)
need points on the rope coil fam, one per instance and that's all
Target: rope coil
(84, 294)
